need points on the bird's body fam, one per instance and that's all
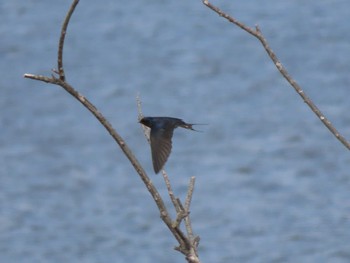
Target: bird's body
(162, 129)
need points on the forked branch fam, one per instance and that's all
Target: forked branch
(188, 248)
(258, 34)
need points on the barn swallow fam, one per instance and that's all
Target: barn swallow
(162, 129)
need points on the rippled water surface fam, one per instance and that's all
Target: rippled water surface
(272, 184)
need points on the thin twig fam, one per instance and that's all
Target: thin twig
(170, 191)
(258, 34)
(50, 80)
(60, 69)
(146, 130)
(187, 208)
(139, 107)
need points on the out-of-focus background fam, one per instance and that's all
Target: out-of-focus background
(272, 182)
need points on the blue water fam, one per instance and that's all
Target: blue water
(272, 184)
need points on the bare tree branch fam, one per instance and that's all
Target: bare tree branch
(185, 245)
(173, 199)
(60, 70)
(258, 34)
(187, 207)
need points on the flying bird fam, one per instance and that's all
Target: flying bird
(162, 129)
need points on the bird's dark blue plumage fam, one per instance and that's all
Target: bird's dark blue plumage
(162, 129)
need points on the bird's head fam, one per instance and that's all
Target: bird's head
(146, 121)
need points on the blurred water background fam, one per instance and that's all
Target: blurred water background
(273, 185)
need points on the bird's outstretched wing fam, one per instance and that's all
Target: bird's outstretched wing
(160, 146)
